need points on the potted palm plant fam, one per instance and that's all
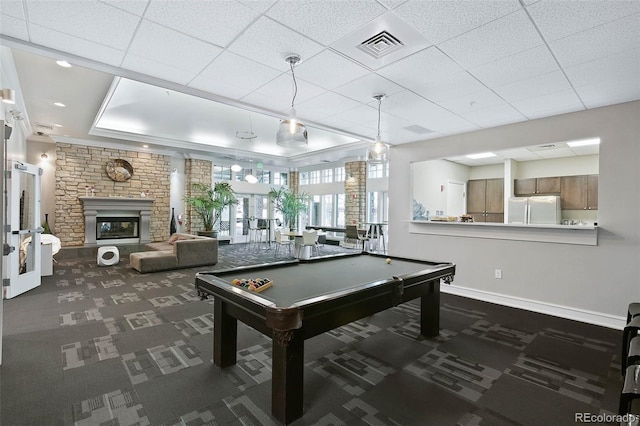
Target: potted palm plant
(210, 203)
(289, 204)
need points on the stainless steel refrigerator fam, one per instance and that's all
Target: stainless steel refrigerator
(539, 210)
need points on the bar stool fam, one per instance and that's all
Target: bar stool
(630, 331)
(630, 389)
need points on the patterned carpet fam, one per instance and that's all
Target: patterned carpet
(109, 346)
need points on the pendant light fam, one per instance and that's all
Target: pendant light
(251, 178)
(244, 136)
(292, 133)
(378, 152)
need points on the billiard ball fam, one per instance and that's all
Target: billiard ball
(388, 261)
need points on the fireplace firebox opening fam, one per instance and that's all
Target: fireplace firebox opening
(110, 228)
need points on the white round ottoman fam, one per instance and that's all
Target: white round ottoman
(108, 256)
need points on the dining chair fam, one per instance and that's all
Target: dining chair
(282, 240)
(309, 239)
(352, 236)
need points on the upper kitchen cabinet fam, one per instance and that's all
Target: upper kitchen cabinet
(579, 192)
(537, 186)
(485, 200)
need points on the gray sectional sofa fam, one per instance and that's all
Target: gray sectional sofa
(181, 251)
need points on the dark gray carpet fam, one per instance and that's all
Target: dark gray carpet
(109, 346)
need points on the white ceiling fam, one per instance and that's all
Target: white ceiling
(463, 65)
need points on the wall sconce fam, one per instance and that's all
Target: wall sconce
(44, 156)
(8, 96)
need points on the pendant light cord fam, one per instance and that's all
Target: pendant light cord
(379, 103)
(295, 84)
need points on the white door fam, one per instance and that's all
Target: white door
(456, 201)
(23, 263)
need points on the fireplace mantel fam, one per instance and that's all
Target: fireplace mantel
(96, 206)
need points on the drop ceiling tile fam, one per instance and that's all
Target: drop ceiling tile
(234, 71)
(75, 46)
(366, 116)
(13, 27)
(549, 104)
(89, 19)
(166, 46)
(605, 40)
(13, 8)
(277, 93)
(156, 69)
(269, 42)
(471, 101)
(609, 92)
(442, 20)
(452, 86)
(534, 87)
(494, 116)
(520, 66)
(137, 7)
(623, 66)
(559, 19)
(217, 22)
(364, 88)
(324, 105)
(325, 21)
(498, 39)
(419, 69)
(329, 70)
(418, 110)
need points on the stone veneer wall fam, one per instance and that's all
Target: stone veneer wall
(78, 166)
(195, 171)
(294, 181)
(355, 190)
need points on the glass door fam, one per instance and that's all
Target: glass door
(24, 261)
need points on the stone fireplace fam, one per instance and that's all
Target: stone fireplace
(116, 220)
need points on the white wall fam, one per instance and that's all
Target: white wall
(567, 166)
(583, 282)
(430, 179)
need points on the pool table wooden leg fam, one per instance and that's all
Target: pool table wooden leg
(430, 311)
(287, 375)
(225, 335)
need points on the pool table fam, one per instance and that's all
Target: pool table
(311, 297)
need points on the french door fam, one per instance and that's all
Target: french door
(24, 261)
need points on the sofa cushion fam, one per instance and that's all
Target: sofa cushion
(151, 261)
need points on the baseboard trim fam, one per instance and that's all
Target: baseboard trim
(589, 317)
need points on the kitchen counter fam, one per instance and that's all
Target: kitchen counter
(562, 234)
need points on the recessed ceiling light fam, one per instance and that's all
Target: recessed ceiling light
(60, 104)
(584, 142)
(64, 64)
(58, 125)
(481, 155)
(145, 146)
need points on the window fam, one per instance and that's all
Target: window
(304, 178)
(314, 211)
(280, 178)
(221, 173)
(377, 206)
(338, 174)
(314, 177)
(376, 171)
(327, 175)
(242, 173)
(264, 176)
(327, 210)
(339, 218)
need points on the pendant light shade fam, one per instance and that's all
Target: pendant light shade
(291, 132)
(378, 152)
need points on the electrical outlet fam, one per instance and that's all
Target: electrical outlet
(498, 274)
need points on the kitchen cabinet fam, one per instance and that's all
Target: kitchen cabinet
(579, 192)
(485, 200)
(537, 186)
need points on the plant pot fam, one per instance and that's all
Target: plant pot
(210, 234)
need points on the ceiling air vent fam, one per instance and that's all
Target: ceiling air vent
(380, 45)
(418, 129)
(42, 126)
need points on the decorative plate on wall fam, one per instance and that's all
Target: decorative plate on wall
(119, 170)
